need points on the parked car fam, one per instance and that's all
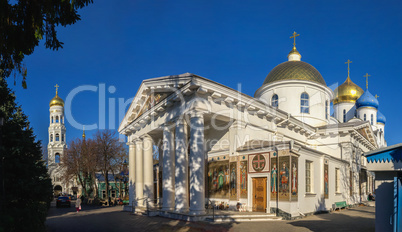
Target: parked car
(63, 201)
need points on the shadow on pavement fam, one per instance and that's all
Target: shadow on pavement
(357, 219)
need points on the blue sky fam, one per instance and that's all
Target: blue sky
(117, 44)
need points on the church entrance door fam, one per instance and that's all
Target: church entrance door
(260, 194)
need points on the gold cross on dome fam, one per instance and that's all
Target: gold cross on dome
(348, 62)
(366, 76)
(376, 96)
(294, 38)
(57, 87)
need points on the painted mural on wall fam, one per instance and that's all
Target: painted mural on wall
(274, 176)
(258, 163)
(294, 181)
(284, 178)
(218, 179)
(243, 179)
(233, 179)
(326, 182)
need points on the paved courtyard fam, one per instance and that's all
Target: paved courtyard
(114, 219)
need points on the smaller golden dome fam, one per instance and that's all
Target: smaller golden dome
(56, 101)
(347, 92)
(294, 51)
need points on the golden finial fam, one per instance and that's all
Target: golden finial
(366, 76)
(376, 96)
(57, 87)
(294, 38)
(348, 62)
(83, 132)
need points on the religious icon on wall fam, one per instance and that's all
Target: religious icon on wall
(217, 184)
(221, 177)
(284, 178)
(274, 178)
(326, 186)
(243, 179)
(233, 179)
(258, 163)
(294, 182)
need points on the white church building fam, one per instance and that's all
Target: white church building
(280, 149)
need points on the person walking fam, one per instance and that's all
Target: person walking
(78, 204)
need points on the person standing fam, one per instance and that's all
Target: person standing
(78, 204)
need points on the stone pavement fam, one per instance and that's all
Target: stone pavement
(114, 219)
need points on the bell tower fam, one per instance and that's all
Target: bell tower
(57, 142)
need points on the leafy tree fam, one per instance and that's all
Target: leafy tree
(24, 23)
(74, 162)
(111, 154)
(85, 157)
(27, 190)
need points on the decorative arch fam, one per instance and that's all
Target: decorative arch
(57, 137)
(57, 119)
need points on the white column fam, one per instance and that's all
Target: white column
(181, 166)
(197, 164)
(148, 170)
(168, 169)
(139, 177)
(131, 175)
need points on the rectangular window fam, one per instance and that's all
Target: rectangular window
(337, 180)
(326, 109)
(309, 177)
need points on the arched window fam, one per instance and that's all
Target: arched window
(344, 115)
(57, 119)
(61, 119)
(62, 137)
(372, 119)
(57, 137)
(304, 103)
(274, 101)
(57, 158)
(326, 109)
(364, 119)
(51, 138)
(52, 119)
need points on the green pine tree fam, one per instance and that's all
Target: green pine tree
(27, 191)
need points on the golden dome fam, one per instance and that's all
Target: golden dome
(347, 92)
(56, 101)
(294, 70)
(294, 51)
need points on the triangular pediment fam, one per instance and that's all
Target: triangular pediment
(366, 131)
(151, 92)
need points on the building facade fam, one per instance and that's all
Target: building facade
(280, 150)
